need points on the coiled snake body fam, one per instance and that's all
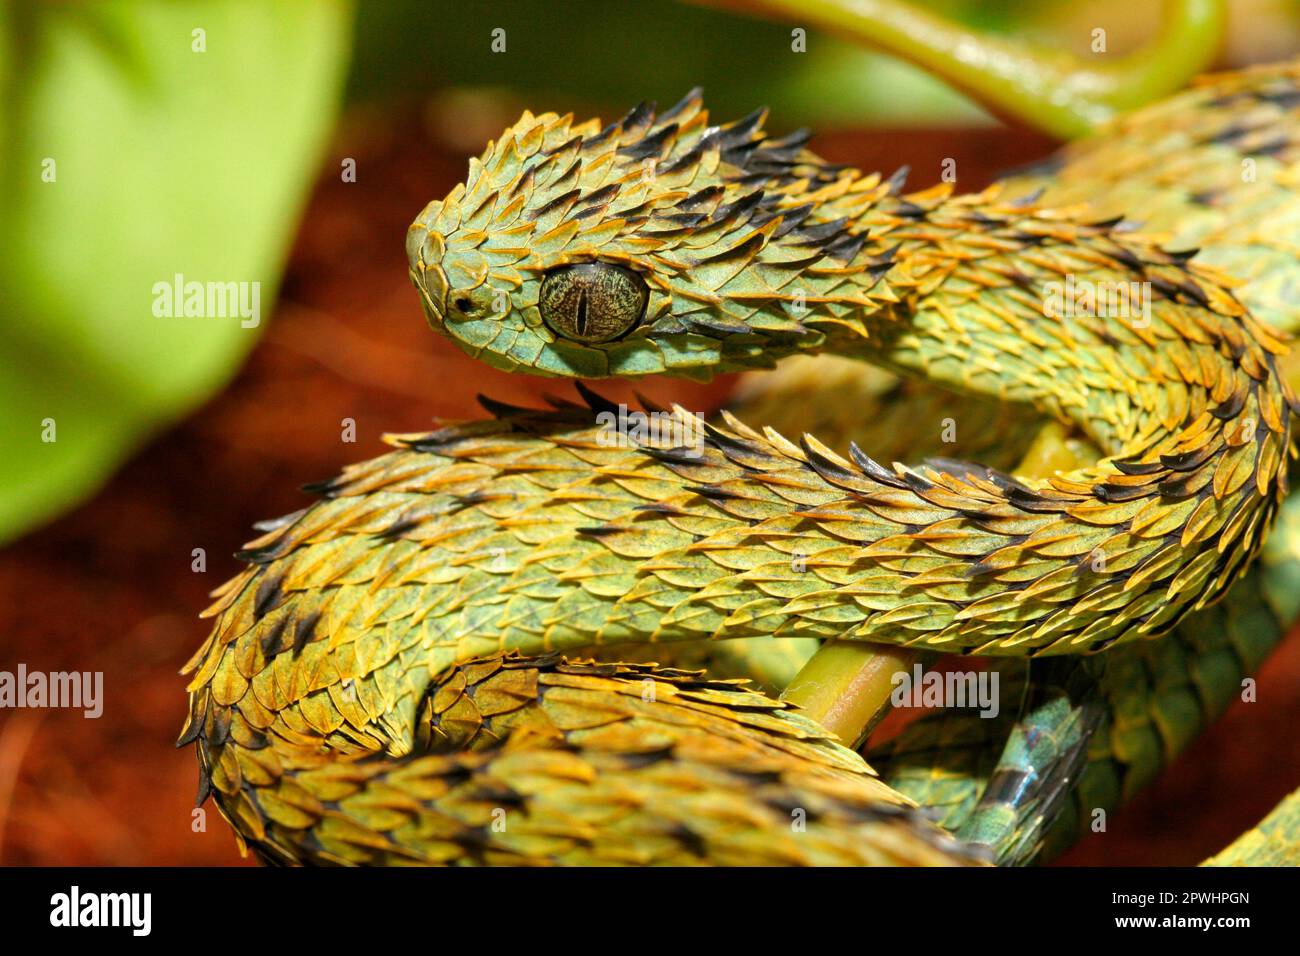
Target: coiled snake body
(383, 682)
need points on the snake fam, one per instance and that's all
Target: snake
(476, 648)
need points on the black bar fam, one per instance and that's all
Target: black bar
(254, 907)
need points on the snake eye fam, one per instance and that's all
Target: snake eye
(593, 301)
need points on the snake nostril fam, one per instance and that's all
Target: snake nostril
(463, 304)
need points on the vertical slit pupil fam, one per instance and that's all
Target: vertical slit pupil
(581, 317)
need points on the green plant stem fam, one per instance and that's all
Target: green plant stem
(845, 686)
(1059, 93)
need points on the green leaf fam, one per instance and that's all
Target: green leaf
(134, 149)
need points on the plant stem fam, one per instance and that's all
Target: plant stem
(845, 686)
(1059, 93)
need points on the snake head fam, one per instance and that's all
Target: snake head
(658, 243)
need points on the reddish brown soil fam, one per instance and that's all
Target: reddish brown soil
(109, 586)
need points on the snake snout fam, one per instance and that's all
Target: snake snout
(426, 249)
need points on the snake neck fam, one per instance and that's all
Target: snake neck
(1142, 348)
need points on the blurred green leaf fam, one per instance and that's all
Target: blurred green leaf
(166, 160)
